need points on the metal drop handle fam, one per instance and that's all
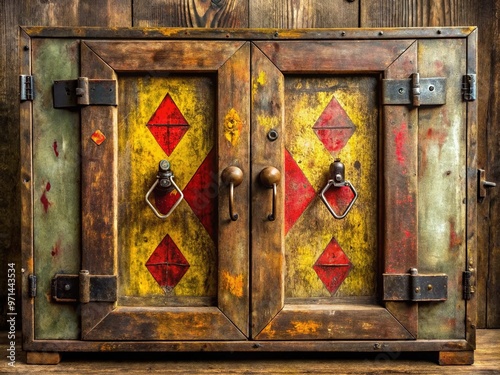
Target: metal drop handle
(337, 179)
(164, 183)
(232, 176)
(270, 177)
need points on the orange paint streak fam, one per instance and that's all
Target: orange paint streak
(234, 284)
(304, 328)
(455, 238)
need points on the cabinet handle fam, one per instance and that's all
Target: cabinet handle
(165, 184)
(232, 176)
(270, 177)
(337, 179)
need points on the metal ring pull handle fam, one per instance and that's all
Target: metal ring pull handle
(270, 178)
(337, 179)
(165, 184)
(232, 176)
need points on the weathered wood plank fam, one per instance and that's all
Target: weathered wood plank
(400, 188)
(303, 13)
(233, 146)
(179, 56)
(191, 13)
(334, 56)
(267, 237)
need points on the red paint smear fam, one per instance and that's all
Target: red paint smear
(56, 249)
(455, 238)
(437, 135)
(298, 191)
(400, 138)
(201, 194)
(54, 146)
(44, 199)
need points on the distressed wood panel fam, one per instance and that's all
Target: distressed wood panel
(303, 13)
(191, 13)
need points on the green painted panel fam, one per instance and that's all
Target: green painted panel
(442, 188)
(56, 187)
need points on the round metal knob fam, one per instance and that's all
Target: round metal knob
(270, 176)
(232, 175)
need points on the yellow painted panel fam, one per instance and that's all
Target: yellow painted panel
(356, 234)
(140, 231)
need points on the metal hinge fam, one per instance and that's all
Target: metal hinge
(467, 285)
(469, 87)
(26, 87)
(414, 287)
(84, 288)
(83, 92)
(414, 90)
(32, 286)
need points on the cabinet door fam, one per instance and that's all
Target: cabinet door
(182, 272)
(320, 277)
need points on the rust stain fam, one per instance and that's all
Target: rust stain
(56, 248)
(234, 284)
(304, 328)
(45, 201)
(400, 138)
(232, 127)
(54, 146)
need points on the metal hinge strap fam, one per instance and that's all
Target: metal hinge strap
(32, 285)
(84, 288)
(469, 90)
(414, 91)
(26, 87)
(467, 285)
(414, 287)
(83, 92)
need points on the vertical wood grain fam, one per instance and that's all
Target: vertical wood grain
(191, 13)
(420, 13)
(303, 13)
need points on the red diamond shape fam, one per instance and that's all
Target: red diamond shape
(339, 198)
(334, 127)
(299, 192)
(167, 264)
(201, 194)
(332, 266)
(168, 125)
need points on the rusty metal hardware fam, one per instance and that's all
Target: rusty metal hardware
(164, 184)
(270, 177)
(83, 92)
(32, 285)
(232, 176)
(84, 288)
(469, 90)
(414, 287)
(26, 87)
(337, 180)
(468, 287)
(483, 184)
(415, 91)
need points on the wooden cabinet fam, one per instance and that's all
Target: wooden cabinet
(250, 190)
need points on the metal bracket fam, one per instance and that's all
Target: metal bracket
(469, 90)
(26, 87)
(414, 287)
(32, 285)
(467, 285)
(84, 288)
(415, 91)
(83, 92)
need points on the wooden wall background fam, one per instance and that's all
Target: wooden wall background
(268, 14)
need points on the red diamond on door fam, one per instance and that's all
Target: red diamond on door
(334, 127)
(168, 125)
(332, 266)
(167, 264)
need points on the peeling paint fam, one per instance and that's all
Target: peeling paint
(54, 146)
(234, 284)
(45, 201)
(304, 328)
(232, 127)
(56, 248)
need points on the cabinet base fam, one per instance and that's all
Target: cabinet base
(456, 358)
(43, 358)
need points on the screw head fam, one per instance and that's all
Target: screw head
(164, 165)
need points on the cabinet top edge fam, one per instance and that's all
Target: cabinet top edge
(246, 34)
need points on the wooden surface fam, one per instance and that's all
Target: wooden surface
(487, 361)
(283, 13)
